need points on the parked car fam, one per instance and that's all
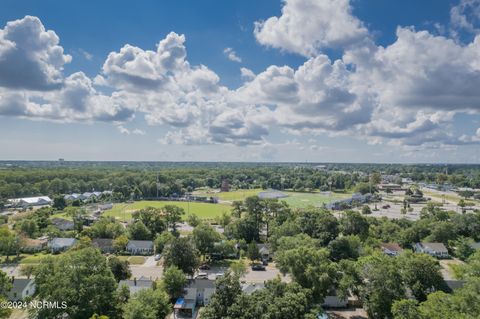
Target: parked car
(157, 257)
(201, 275)
(386, 206)
(219, 275)
(265, 262)
(204, 267)
(258, 267)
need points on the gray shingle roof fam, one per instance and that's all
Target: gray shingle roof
(140, 244)
(18, 285)
(62, 242)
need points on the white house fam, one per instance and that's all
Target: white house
(21, 288)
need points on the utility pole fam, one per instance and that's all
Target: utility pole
(157, 185)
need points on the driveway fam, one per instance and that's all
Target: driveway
(149, 269)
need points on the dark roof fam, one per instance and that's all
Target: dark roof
(140, 244)
(438, 247)
(62, 242)
(18, 285)
(201, 283)
(454, 284)
(102, 242)
(391, 246)
(62, 222)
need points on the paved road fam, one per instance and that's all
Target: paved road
(271, 272)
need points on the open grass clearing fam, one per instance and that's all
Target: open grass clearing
(124, 211)
(316, 199)
(239, 194)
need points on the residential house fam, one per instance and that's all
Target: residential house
(249, 288)
(475, 245)
(104, 244)
(21, 288)
(73, 196)
(58, 244)
(434, 249)
(264, 252)
(391, 249)
(140, 247)
(33, 245)
(30, 201)
(332, 300)
(197, 293)
(63, 224)
(136, 285)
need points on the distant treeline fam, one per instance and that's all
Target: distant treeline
(139, 179)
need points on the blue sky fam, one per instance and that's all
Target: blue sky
(328, 80)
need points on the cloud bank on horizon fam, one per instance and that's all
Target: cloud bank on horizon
(404, 94)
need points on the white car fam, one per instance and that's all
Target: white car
(157, 257)
(219, 275)
(201, 275)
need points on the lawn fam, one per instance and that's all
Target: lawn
(61, 215)
(35, 258)
(239, 194)
(302, 200)
(203, 210)
(133, 260)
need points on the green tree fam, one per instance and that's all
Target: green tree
(253, 252)
(310, 267)
(138, 231)
(237, 208)
(406, 309)
(162, 240)
(152, 218)
(147, 304)
(81, 278)
(182, 254)
(28, 227)
(174, 282)
(119, 268)
(106, 227)
(382, 284)
(193, 220)
(5, 286)
(9, 242)
(173, 216)
(353, 223)
(120, 243)
(226, 294)
(204, 236)
(238, 268)
(421, 273)
(59, 202)
(345, 247)
(318, 223)
(366, 210)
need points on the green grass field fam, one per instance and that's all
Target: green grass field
(202, 210)
(240, 194)
(302, 200)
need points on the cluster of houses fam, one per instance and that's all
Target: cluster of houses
(86, 196)
(105, 245)
(29, 202)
